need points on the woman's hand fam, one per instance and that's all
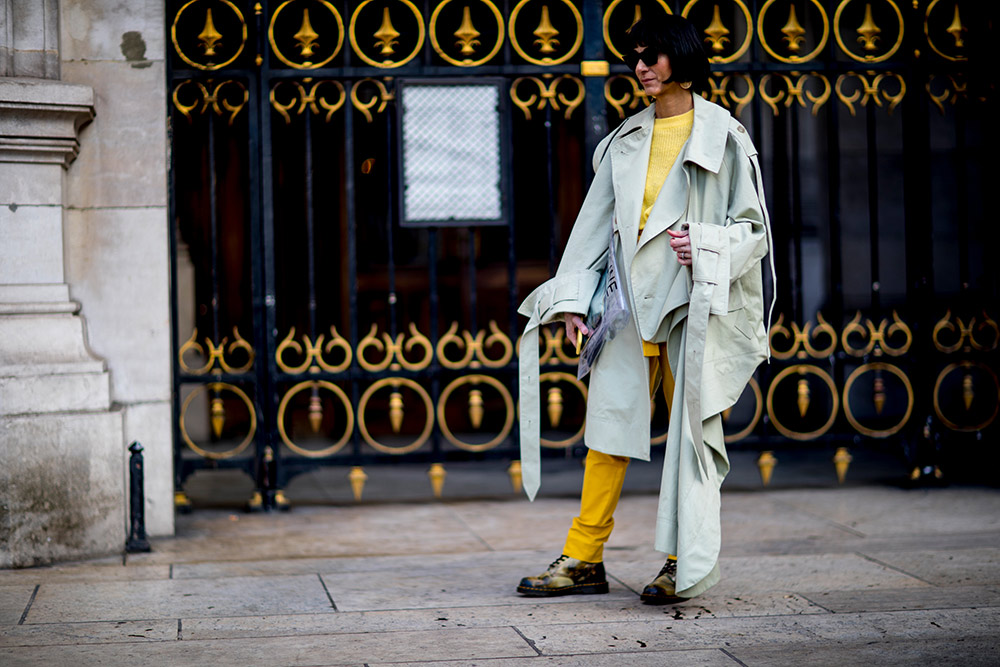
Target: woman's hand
(681, 244)
(574, 322)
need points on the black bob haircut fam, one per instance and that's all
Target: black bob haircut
(676, 37)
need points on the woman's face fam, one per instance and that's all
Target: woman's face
(653, 77)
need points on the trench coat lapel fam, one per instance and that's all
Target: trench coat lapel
(630, 161)
(705, 147)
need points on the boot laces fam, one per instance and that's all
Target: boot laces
(558, 561)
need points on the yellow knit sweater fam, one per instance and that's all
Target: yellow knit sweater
(669, 135)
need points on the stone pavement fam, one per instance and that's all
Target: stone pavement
(871, 574)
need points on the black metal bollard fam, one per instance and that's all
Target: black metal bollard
(137, 542)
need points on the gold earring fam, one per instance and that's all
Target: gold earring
(685, 85)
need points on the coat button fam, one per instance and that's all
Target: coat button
(739, 128)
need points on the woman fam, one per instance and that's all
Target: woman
(679, 188)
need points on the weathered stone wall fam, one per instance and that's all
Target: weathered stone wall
(116, 244)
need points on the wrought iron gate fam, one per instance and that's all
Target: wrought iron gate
(318, 321)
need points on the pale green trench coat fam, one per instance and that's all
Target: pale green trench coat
(711, 316)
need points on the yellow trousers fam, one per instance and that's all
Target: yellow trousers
(602, 482)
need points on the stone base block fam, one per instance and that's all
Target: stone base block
(62, 487)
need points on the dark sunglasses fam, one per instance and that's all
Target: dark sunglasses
(647, 56)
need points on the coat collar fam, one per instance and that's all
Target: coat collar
(707, 145)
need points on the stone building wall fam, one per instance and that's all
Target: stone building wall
(84, 281)
(117, 250)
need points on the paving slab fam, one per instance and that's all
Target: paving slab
(952, 567)
(803, 629)
(348, 565)
(931, 597)
(480, 582)
(315, 532)
(102, 570)
(666, 634)
(140, 600)
(742, 576)
(311, 650)
(958, 652)
(596, 609)
(679, 658)
(886, 511)
(53, 634)
(13, 601)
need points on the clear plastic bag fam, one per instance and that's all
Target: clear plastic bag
(613, 318)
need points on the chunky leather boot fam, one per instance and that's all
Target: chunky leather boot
(566, 576)
(661, 590)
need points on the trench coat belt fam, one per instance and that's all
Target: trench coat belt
(528, 389)
(710, 267)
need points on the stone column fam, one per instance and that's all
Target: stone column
(61, 442)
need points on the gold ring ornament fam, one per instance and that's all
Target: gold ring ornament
(306, 38)
(218, 417)
(209, 37)
(547, 34)
(956, 29)
(879, 398)
(803, 400)
(387, 36)
(396, 414)
(716, 33)
(969, 392)
(475, 408)
(868, 34)
(794, 34)
(468, 36)
(316, 408)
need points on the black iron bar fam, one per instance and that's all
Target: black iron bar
(798, 226)
(213, 216)
(962, 199)
(836, 284)
(473, 236)
(550, 191)
(352, 259)
(390, 213)
(432, 278)
(310, 224)
(873, 231)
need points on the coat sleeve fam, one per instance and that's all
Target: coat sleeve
(585, 256)
(746, 221)
(724, 253)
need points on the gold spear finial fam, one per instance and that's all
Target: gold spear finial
(468, 36)
(803, 397)
(868, 31)
(555, 406)
(546, 33)
(793, 31)
(437, 474)
(717, 32)
(766, 462)
(841, 461)
(387, 35)
(306, 36)
(209, 36)
(956, 29)
(357, 477)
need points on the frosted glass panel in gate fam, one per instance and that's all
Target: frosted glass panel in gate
(452, 171)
